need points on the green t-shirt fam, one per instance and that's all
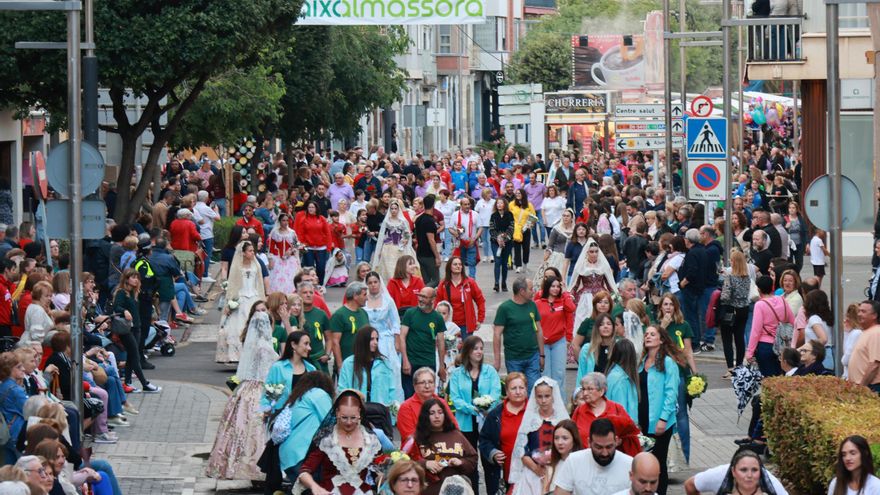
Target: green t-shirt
(680, 331)
(586, 328)
(421, 337)
(347, 323)
(520, 322)
(279, 336)
(316, 323)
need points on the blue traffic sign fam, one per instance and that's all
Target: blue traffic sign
(706, 138)
(706, 177)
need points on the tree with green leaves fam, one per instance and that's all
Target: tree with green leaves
(166, 52)
(337, 74)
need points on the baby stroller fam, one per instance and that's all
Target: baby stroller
(160, 338)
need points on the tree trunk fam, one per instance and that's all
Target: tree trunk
(125, 210)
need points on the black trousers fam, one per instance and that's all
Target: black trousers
(661, 452)
(521, 249)
(734, 335)
(145, 309)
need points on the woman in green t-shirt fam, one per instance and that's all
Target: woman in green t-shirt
(279, 311)
(602, 303)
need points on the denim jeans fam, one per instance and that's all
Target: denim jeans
(221, 206)
(115, 394)
(318, 259)
(184, 299)
(469, 258)
(531, 367)
(368, 250)
(709, 334)
(682, 422)
(768, 361)
(107, 473)
(501, 261)
(690, 308)
(487, 243)
(446, 237)
(555, 358)
(208, 245)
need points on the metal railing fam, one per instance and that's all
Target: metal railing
(774, 39)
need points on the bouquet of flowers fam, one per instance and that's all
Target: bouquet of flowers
(541, 457)
(232, 304)
(273, 392)
(378, 471)
(232, 382)
(696, 385)
(646, 442)
(394, 408)
(483, 403)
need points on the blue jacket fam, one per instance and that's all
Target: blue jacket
(623, 391)
(306, 417)
(382, 390)
(577, 194)
(586, 364)
(281, 372)
(662, 393)
(460, 386)
(12, 399)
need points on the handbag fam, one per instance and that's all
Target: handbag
(100, 376)
(120, 326)
(92, 407)
(377, 414)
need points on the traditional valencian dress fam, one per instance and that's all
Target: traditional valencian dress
(587, 279)
(395, 240)
(246, 287)
(242, 436)
(284, 259)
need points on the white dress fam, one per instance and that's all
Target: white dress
(386, 321)
(229, 337)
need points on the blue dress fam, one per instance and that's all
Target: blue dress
(386, 320)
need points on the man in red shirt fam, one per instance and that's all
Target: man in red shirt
(184, 233)
(7, 286)
(248, 221)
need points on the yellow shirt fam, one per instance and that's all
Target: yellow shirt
(520, 216)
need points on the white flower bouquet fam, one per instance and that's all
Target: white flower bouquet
(483, 403)
(273, 391)
(232, 304)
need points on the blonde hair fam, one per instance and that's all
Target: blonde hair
(130, 243)
(738, 266)
(637, 306)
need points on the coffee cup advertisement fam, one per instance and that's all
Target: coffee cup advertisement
(607, 62)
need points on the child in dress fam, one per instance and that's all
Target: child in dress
(452, 335)
(338, 230)
(336, 272)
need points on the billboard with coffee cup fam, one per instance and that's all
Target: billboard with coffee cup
(617, 61)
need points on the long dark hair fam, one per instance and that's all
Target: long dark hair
(363, 357)
(423, 427)
(522, 201)
(623, 354)
(572, 428)
(247, 325)
(292, 339)
(548, 283)
(667, 348)
(448, 279)
(234, 237)
(310, 380)
(816, 303)
(467, 347)
(844, 476)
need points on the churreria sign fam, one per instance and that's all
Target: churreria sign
(354, 12)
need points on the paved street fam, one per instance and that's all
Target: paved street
(166, 448)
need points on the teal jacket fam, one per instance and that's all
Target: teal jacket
(662, 393)
(460, 390)
(382, 390)
(306, 417)
(281, 372)
(586, 364)
(623, 391)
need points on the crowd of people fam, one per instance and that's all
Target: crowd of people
(393, 388)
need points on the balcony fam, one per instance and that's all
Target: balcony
(774, 40)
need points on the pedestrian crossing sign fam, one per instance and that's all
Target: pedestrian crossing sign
(706, 138)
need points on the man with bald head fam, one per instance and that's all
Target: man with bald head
(644, 475)
(421, 335)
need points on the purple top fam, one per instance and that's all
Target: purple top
(516, 183)
(336, 192)
(477, 192)
(421, 191)
(535, 193)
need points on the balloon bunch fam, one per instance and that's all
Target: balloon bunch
(765, 112)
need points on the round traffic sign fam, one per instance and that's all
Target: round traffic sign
(707, 177)
(702, 106)
(58, 168)
(817, 201)
(499, 77)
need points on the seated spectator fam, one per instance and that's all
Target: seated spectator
(12, 399)
(37, 319)
(39, 473)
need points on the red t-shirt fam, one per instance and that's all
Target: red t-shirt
(557, 320)
(509, 428)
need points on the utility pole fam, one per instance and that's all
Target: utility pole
(832, 19)
(667, 96)
(90, 77)
(725, 48)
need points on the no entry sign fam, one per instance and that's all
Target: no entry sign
(707, 180)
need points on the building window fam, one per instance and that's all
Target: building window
(502, 33)
(485, 36)
(444, 44)
(853, 16)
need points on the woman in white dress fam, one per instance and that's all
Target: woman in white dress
(283, 256)
(395, 240)
(558, 237)
(384, 318)
(242, 436)
(591, 274)
(246, 285)
(534, 441)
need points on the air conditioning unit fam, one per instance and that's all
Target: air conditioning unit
(429, 79)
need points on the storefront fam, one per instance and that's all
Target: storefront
(576, 121)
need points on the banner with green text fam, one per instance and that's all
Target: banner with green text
(392, 12)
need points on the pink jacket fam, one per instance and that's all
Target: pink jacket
(767, 314)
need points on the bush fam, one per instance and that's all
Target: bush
(222, 228)
(806, 418)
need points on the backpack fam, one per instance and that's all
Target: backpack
(784, 333)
